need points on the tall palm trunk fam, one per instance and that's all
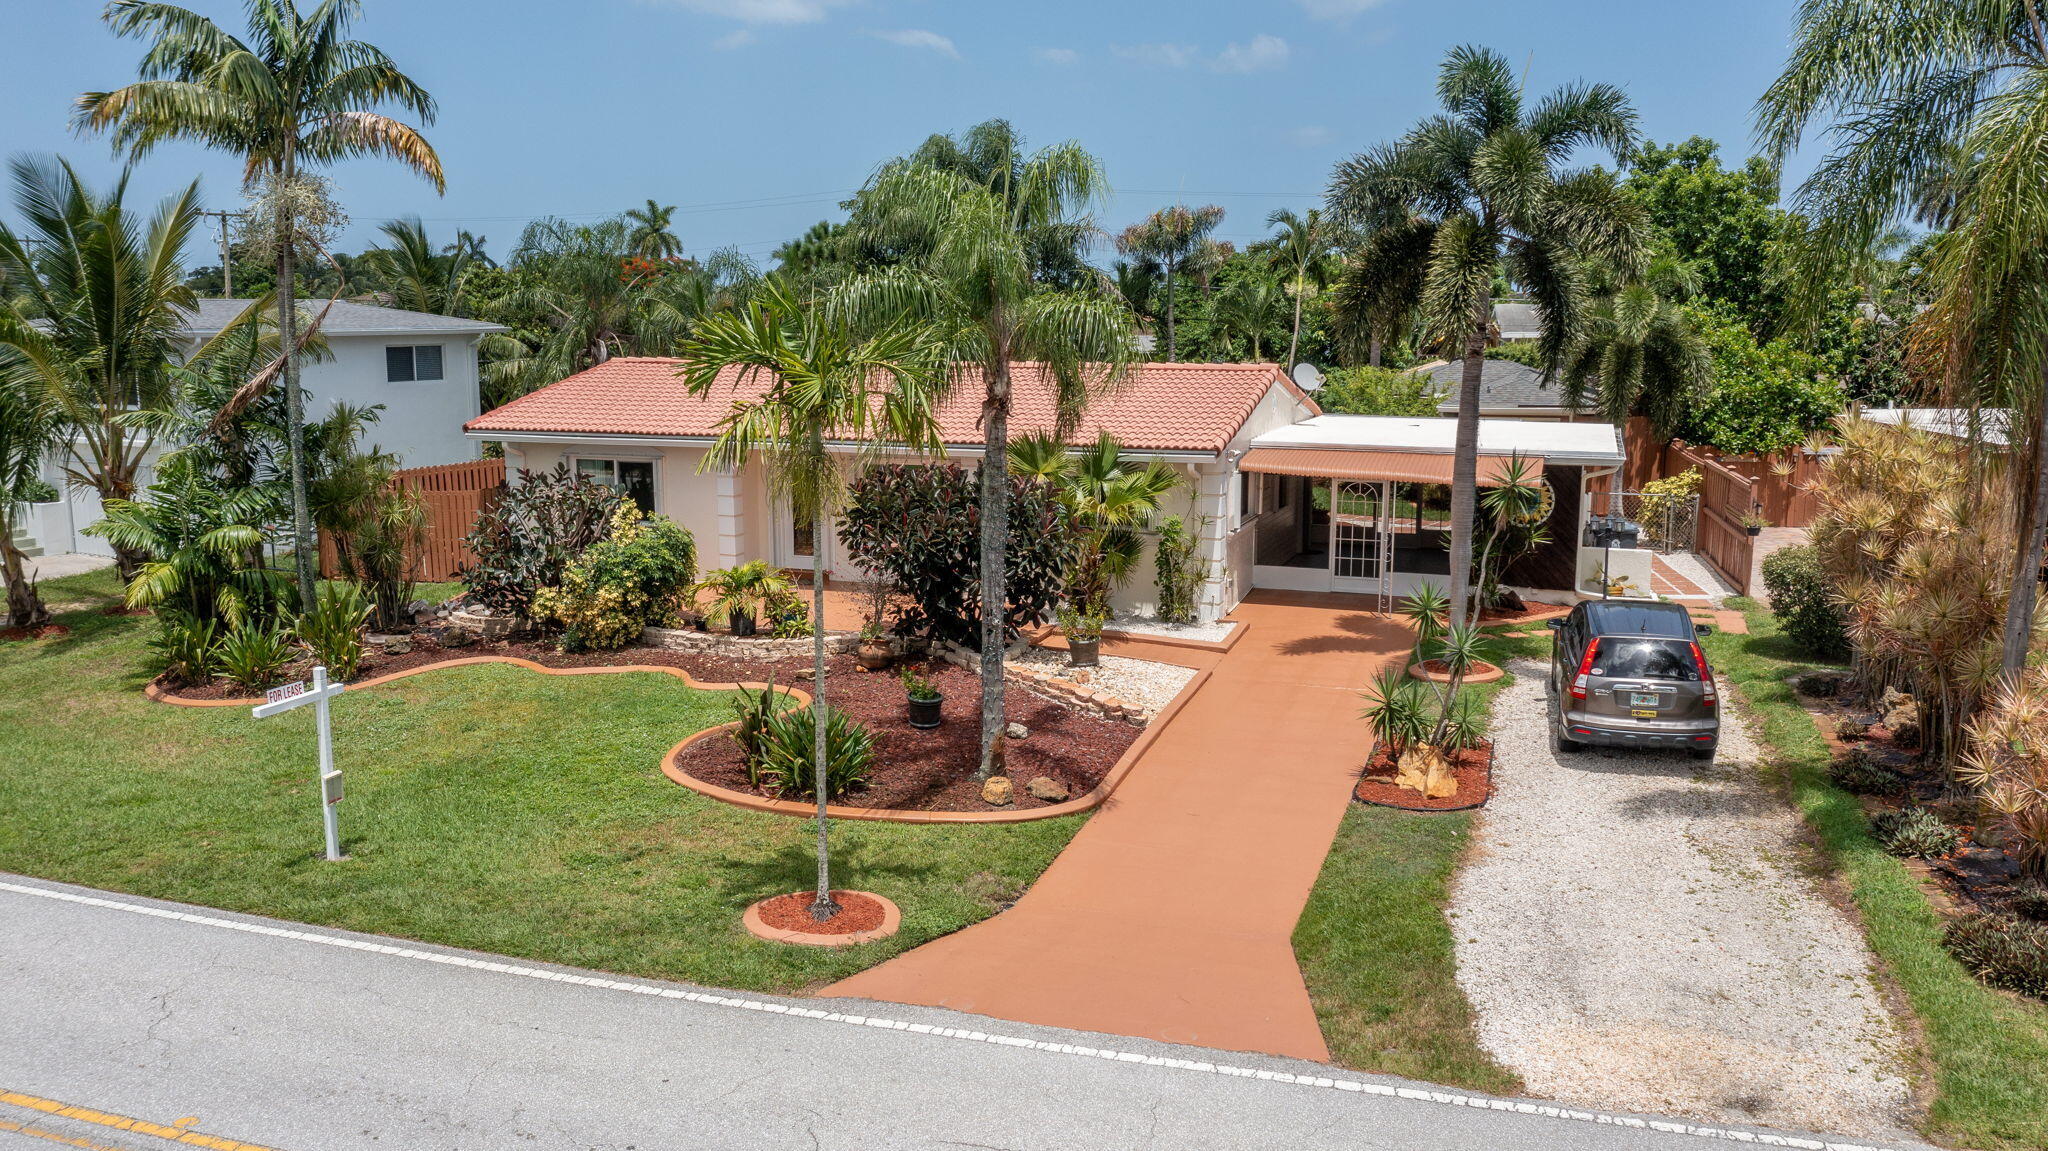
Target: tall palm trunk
(1294, 341)
(1465, 466)
(2026, 571)
(1172, 347)
(995, 534)
(823, 907)
(1372, 353)
(304, 547)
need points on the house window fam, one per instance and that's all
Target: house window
(633, 479)
(405, 363)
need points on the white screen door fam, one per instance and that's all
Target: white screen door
(1361, 551)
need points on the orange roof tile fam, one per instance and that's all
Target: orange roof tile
(1158, 407)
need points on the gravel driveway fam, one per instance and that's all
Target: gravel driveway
(1636, 932)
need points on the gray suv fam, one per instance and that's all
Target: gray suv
(1631, 674)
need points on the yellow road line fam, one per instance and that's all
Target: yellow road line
(54, 1137)
(124, 1123)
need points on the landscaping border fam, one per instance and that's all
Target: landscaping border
(152, 691)
(1357, 798)
(1483, 673)
(892, 919)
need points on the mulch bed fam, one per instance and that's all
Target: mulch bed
(45, 631)
(858, 911)
(1472, 768)
(1525, 614)
(914, 771)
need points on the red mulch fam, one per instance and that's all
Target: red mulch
(45, 631)
(858, 911)
(1472, 768)
(1534, 611)
(124, 609)
(934, 770)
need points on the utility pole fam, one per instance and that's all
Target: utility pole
(227, 263)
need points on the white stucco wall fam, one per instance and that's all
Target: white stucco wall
(422, 420)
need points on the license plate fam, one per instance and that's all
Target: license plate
(1644, 699)
(1643, 713)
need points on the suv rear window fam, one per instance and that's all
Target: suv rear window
(1645, 659)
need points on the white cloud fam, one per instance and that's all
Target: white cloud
(1163, 55)
(1258, 54)
(737, 38)
(1337, 9)
(1064, 57)
(919, 38)
(764, 11)
(1309, 136)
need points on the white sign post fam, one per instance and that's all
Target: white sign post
(279, 700)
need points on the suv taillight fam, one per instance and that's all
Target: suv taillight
(1699, 663)
(1585, 669)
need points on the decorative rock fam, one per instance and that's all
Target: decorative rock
(1047, 788)
(1083, 675)
(397, 645)
(485, 623)
(997, 791)
(455, 637)
(1016, 731)
(1110, 704)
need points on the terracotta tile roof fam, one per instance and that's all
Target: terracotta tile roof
(1161, 407)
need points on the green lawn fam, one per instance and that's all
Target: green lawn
(488, 807)
(1988, 1049)
(1376, 950)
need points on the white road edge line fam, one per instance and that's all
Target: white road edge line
(1364, 1087)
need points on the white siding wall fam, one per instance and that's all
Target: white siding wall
(422, 420)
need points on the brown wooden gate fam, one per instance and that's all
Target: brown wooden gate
(455, 494)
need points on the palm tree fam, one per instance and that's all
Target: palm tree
(1479, 188)
(296, 93)
(975, 258)
(1167, 240)
(652, 238)
(821, 379)
(1640, 354)
(28, 430)
(1379, 289)
(1250, 307)
(1935, 114)
(1109, 498)
(411, 274)
(98, 298)
(1304, 253)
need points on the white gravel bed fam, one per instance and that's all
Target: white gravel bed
(1134, 681)
(1636, 933)
(1146, 625)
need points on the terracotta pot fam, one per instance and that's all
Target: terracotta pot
(874, 655)
(1083, 652)
(924, 713)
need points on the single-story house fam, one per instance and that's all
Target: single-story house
(1507, 390)
(1517, 321)
(1287, 496)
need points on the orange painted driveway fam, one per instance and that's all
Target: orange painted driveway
(1170, 915)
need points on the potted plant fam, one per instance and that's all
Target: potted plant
(874, 652)
(924, 700)
(1754, 524)
(1083, 630)
(740, 594)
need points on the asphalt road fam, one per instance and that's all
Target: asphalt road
(231, 1032)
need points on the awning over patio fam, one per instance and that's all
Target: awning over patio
(1367, 464)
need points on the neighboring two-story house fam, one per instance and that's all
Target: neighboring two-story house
(422, 368)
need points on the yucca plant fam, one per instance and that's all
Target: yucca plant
(254, 656)
(788, 752)
(333, 630)
(182, 650)
(1398, 710)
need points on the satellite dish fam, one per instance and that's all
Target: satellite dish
(1307, 377)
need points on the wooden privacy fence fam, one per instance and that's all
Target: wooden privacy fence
(454, 494)
(1780, 486)
(1725, 497)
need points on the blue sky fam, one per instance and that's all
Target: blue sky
(757, 116)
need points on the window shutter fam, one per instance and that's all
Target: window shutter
(426, 360)
(398, 364)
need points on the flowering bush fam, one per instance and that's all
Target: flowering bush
(621, 583)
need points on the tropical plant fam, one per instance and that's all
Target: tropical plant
(920, 524)
(28, 431)
(1639, 353)
(740, 594)
(1805, 603)
(751, 708)
(1080, 623)
(1858, 773)
(1666, 509)
(254, 655)
(411, 273)
(333, 631)
(2007, 763)
(788, 756)
(97, 297)
(1915, 831)
(377, 526)
(1247, 308)
(530, 536)
(1165, 242)
(1766, 397)
(1304, 253)
(1178, 569)
(184, 648)
(1428, 611)
(2001, 950)
(297, 93)
(1477, 189)
(203, 546)
(988, 249)
(1109, 498)
(1371, 391)
(653, 237)
(1514, 514)
(1398, 710)
(918, 687)
(622, 583)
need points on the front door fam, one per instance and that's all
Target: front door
(1361, 552)
(797, 540)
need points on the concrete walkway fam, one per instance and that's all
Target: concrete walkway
(1170, 916)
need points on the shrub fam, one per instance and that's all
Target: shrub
(1369, 391)
(741, 594)
(920, 524)
(751, 710)
(254, 657)
(182, 650)
(1857, 772)
(2002, 951)
(537, 528)
(621, 583)
(918, 687)
(1178, 571)
(2030, 900)
(1915, 831)
(333, 630)
(378, 528)
(1803, 599)
(787, 755)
